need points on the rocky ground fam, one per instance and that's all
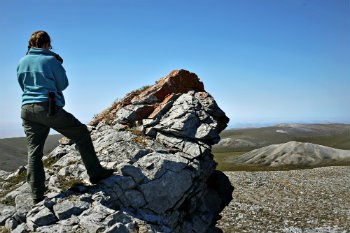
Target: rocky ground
(297, 201)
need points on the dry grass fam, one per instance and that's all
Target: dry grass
(140, 136)
(11, 185)
(50, 161)
(108, 115)
(4, 230)
(66, 183)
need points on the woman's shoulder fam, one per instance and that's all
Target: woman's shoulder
(49, 59)
(35, 62)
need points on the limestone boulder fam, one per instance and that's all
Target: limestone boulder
(159, 141)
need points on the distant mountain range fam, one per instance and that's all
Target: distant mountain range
(247, 139)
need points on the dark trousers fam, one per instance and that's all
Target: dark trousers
(37, 125)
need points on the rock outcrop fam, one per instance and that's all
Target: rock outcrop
(159, 141)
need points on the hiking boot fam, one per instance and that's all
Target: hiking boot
(102, 175)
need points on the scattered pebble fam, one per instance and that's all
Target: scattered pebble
(305, 201)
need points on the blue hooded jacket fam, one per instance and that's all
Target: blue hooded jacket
(39, 73)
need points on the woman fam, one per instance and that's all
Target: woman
(40, 74)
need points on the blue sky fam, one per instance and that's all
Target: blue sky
(264, 61)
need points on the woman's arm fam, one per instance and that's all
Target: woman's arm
(60, 76)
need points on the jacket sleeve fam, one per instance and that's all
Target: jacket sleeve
(60, 76)
(20, 81)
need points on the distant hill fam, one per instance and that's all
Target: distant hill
(235, 142)
(332, 135)
(294, 154)
(13, 151)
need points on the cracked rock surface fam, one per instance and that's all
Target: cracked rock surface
(159, 142)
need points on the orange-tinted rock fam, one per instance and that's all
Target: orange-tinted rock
(159, 108)
(143, 112)
(178, 81)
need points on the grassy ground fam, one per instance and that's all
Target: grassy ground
(340, 141)
(220, 158)
(223, 165)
